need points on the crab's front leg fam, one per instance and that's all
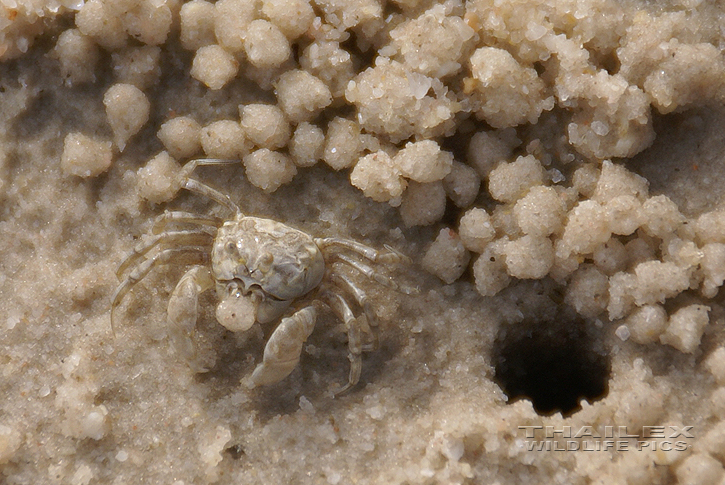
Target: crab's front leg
(183, 310)
(282, 352)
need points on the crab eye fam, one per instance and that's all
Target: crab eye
(231, 247)
(265, 262)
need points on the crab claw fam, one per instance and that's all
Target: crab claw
(237, 312)
(283, 349)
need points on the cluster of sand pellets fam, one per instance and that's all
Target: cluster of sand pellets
(419, 102)
(506, 124)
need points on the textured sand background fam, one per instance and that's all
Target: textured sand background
(82, 407)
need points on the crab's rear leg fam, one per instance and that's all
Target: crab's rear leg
(363, 302)
(354, 337)
(183, 311)
(282, 352)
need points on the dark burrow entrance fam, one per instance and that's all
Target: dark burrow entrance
(553, 364)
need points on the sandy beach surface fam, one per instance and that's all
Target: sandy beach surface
(551, 167)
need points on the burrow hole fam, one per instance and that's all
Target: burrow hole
(554, 364)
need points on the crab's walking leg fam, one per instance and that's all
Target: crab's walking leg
(178, 238)
(363, 302)
(181, 217)
(282, 352)
(369, 271)
(187, 255)
(390, 256)
(191, 165)
(183, 310)
(354, 341)
(194, 185)
(200, 188)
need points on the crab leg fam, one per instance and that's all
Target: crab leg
(191, 255)
(183, 310)
(354, 346)
(200, 188)
(368, 271)
(191, 165)
(282, 352)
(390, 256)
(181, 217)
(189, 238)
(194, 185)
(362, 300)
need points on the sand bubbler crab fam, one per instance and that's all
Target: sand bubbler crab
(263, 271)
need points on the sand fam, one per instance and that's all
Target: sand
(551, 167)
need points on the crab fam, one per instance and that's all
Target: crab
(263, 271)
